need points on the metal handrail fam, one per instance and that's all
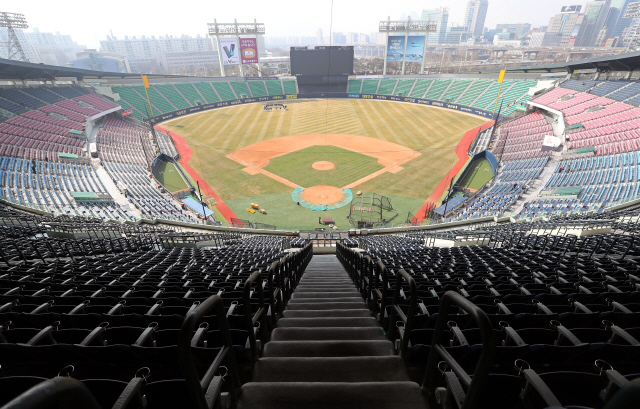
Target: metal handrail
(438, 353)
(408, 318)
(199, 388)
(60, 392)
(259, 316)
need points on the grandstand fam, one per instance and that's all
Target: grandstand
(115, 293)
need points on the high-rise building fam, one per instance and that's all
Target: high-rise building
(441, 16)
(621, 23)
(30, 50)
(93, 60)
(566, 29)
(145, 53)
(319, 39)
(597, 12)
(475, 16)
(456, 35)
(518, 30)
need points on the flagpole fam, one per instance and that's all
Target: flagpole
(500, 80)
(145, 82)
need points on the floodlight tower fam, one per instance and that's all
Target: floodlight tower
(633, 11)
(12, 21)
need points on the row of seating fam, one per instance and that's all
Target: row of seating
(171, 97)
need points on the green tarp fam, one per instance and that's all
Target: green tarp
(587, 149)
(575, 126)
(84, 196)
(76, 132)
(569, 191)
(63, 155)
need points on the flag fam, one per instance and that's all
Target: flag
(501, 77)
(145, 81)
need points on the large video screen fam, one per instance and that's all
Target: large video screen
(335, 60)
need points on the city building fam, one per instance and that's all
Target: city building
(54, 48)
(621, 24)
(566, 29)
(93, 60)
(339, 39)
(319, 38)
(30, 51)
(441, 16)
(456, 35)
(145, 53)
(597, 13)
(518, 30)
(535, 39)
(475, 15)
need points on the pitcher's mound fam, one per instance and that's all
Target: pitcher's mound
(323, 165)
(322, 194)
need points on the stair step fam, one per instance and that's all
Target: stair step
(327, 334)
(310, 289)
(327, 322)
(328, 283)
(327, 348)
(342, 294)
(326, 313)
(334, 395)
(324, 300)
(337, 369)
(332, 305)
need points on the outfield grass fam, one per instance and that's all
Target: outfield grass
(170, 178)
(284, 213)
(431, 131)
(477, 176)
(349, 166)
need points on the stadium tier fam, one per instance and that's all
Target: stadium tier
(116, 292)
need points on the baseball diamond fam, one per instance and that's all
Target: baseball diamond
(246, 155)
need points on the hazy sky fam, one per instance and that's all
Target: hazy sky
(89, 21)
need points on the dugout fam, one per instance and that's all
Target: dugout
(472, 179)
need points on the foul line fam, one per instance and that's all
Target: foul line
(185, 155)
(461, 150)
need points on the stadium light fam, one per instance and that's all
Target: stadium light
(633, 11)
(12, 21)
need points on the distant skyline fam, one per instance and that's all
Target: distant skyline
(88, 26)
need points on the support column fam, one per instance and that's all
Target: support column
(238, 42)
(386, 44)
(218, 48)
(406, 39)
(255, 22)
(424, 49)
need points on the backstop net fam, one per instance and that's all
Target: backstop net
(371, 211)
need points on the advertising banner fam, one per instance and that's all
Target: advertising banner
(222, 104)
(230, 51)
(395, 48)
(415, 48)
(249, 50)
(127, 112)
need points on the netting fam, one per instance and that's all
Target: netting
(297, 197)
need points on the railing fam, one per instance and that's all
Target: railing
(457, 378)
(60, 392)
(458, 381)
(260, 316)
(206, 391)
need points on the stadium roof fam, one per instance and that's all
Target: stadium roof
(20, 70)
(619, 62)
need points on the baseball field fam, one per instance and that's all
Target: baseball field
(245, 155)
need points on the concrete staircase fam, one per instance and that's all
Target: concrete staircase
(329, 352)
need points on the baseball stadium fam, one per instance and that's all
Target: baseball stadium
(317, 238)
(325, 147)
